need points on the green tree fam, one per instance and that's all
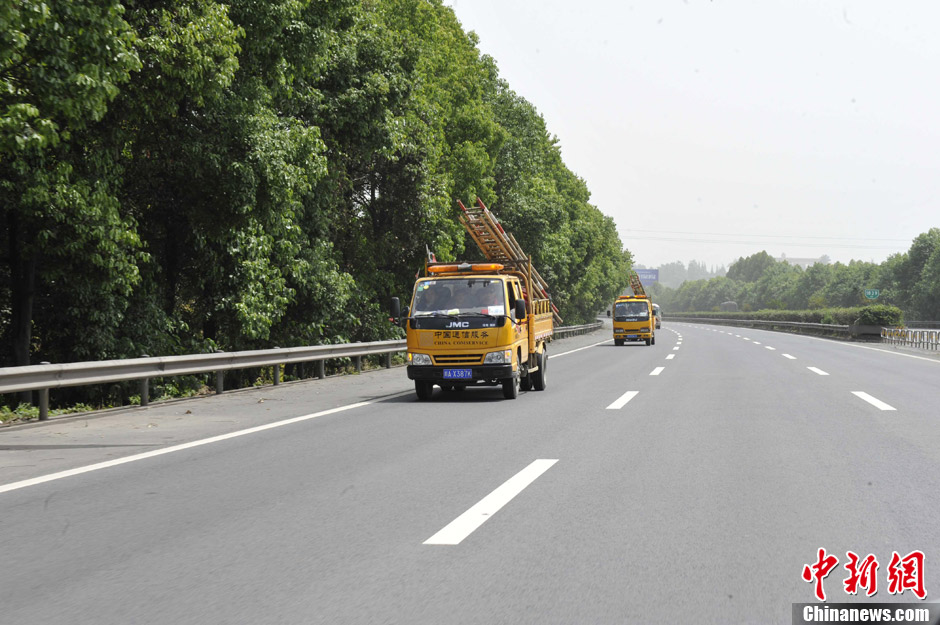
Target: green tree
(751, 268)
(61, 63)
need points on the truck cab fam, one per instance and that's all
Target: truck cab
(474, 324)
(634, 320)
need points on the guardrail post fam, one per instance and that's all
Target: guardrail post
(388, 360)
(277, 371)
(219, 378)
(321, 369)
(44, 399)
(145, 388)
(358, 364)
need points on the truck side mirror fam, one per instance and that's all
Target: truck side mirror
(520, 309)
(396, 308)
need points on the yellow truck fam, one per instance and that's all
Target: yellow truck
(634, 320)
(634, 316)
(483, 323)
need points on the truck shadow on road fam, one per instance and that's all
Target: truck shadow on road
(483, 394)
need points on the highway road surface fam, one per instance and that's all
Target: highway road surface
(689, 481)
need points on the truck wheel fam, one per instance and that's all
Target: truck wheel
(538, 378)
(511, 388)
(654, 339)
(423, 389)
(618, 342)
(648, 342)
(525, 384)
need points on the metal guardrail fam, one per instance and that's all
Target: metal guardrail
(566, 331)
(45, 376)
(758, 323)
(921, 325)
(925, 339)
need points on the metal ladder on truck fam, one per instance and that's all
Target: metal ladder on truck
(498, 245)
(636, 285)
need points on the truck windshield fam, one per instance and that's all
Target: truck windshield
(459, 296)
(631, 311)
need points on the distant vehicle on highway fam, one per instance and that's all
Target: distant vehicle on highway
(634, 320)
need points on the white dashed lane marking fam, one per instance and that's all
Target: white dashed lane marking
(877, 403)
(464, 525)
(622, 400)
(657, 371)
(817, 371)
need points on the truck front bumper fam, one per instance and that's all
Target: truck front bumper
(480, 374)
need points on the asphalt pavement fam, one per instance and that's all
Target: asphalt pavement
(689, 481)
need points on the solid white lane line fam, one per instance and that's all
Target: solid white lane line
(789, 356)
(622, 400)
(169, 450)
(670, 356)
(657, 371)
(817, 371)
(877, 403)
(773, 349)
(464, 525)
(571, 351)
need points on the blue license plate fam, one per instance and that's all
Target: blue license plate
(633, 336)
(458, 374)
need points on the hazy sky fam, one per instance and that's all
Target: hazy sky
(712, 129)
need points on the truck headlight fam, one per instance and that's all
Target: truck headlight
(503, 357)
(618, 330)
(418, 359)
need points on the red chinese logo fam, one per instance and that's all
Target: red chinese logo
(864, 574)
(819, 572)
(904, 573)
(907, 573)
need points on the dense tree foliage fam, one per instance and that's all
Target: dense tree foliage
(184, 175)
(910, 281)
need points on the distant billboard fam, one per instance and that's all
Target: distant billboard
(648, 275)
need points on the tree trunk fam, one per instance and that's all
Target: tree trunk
(22, 292)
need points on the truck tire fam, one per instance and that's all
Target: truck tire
(538, 378)
(525, 384)
(654, 340)
(618, 342)
(511, 388)
(423, 389)
(648, 342)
